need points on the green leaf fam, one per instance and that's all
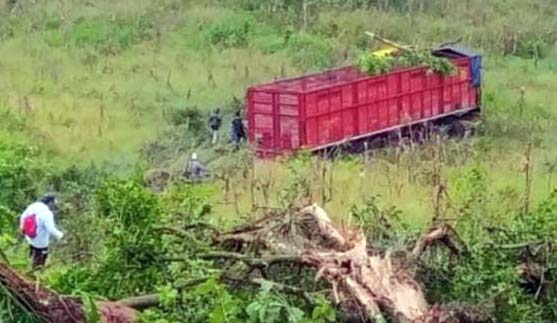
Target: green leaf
(91, 310)
(295, 315)
(253, 311)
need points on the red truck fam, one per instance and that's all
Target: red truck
(344, 105)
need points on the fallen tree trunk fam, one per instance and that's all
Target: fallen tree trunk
(141, 302)
(55, 308)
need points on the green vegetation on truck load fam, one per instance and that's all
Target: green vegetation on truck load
(376, 65)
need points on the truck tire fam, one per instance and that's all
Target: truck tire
(457, 129)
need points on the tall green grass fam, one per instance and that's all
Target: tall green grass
(96, 88)
(98, 76)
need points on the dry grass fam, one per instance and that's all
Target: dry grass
(406, 185)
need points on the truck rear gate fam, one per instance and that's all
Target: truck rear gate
(320, 110)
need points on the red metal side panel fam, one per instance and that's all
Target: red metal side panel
(312, 137)
(324, 116)
(382, 114)
(348, 123)
(392, 112)
(373, 118)
(417, 80)
(336, 122)
(261, 119)
(405, 111)
(363, 122)
(457, 88)
(282, 120)
(465, 88)
(273, 122)
(426, 104)
(350, 118)
(289, 111)
(434, 82)
(323, 129)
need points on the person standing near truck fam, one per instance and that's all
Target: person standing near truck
(37, 225)
(215, 122)
(237, 131)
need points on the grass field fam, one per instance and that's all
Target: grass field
(94, 81)
(92, 72)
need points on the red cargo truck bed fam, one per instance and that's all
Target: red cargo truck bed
(322, 110)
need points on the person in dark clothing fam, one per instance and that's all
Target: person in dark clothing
(215, 122)
(237, 131)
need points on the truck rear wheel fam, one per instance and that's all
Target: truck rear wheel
(457, 129)
(452, 128)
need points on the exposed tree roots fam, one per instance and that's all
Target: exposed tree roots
(371, 284)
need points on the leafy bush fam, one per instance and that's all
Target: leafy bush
(311, 51)
(190, 116)
(53, 22)
(76, 187)
(21, 174)
(90, 33)
(489, 272)
(215, 304)
(126, 202)
(233, 32)
(188, 203)
(130, 262)
(270, 39)
(532, 47)
(108, 36)
(55, 38)
(7, 27)
(376, 219)
(271, 308)
(76, 184)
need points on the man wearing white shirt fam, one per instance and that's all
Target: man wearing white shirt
(37, 224)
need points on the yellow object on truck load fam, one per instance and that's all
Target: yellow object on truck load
(390, 48)
(384, 52)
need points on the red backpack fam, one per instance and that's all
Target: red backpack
(30, 226)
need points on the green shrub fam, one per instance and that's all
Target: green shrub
(269, 39)
(22, 174)
(233, 32)
(7, 27)
(190, 118)
(90, 33)
(532, 47)
(55, 38)
(110, 36)
(53, 22)
(214, 304)
(269, 307)
(127, 202)
(130, 261)
(311, 51)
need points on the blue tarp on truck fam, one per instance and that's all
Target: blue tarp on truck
(453, 51)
